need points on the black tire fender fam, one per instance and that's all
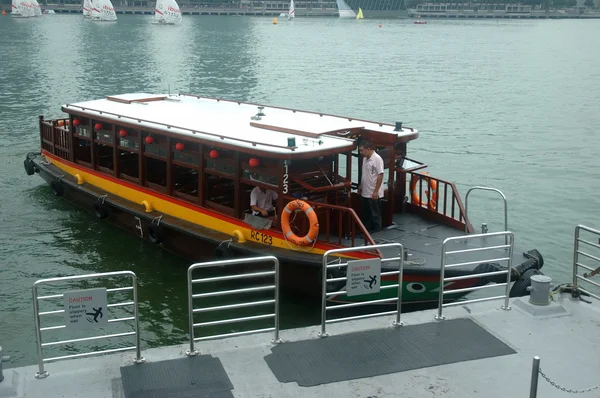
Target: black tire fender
(156, 233)
(519, 288)
(57, 188)
(100, 209)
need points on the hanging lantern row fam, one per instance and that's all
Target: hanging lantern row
(123, 133)
(179, 146)
(253, 162)
(98, 126)
(149, 139)
(76, 122)
(213, 154)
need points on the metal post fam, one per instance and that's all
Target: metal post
(398, 322)
(38, 335)
(192, 351)
(138, 346)
(575, 255)
(1, 360)
(535, 371)
(323, 333)
(506, 305)
(276, 339)
(439, 316)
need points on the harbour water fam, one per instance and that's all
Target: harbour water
(512, 104)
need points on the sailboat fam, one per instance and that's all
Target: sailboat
(167, 12)
(103, 10)
(37, 10)
(87, 9)
(360, 14)
(292, 12)
(344, 10)
(22, 9)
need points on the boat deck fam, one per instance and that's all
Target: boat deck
(479, 350)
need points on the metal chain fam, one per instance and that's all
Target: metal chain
(566, 389)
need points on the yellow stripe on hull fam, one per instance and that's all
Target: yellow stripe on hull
(150, 201)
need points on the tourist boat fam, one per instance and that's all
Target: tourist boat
(178, 170)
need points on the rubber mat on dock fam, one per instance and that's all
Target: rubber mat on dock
(200, 377)
(383, 351)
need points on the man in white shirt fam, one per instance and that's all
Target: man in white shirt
(261, 202)
(371, 187)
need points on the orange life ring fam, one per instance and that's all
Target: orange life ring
(312, 234)
(431, 192)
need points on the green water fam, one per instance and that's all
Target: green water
(510, 104)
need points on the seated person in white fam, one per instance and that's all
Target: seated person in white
(261, 202)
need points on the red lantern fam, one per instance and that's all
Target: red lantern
(253, 162)
(179, 146)
(76, 122)
(213, 154)
(123, 133)
(98, 126)
(149, 140)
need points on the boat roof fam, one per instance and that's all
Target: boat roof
(235, 123)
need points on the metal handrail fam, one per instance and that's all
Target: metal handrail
(508, 271)
(325, 280)
(38, 329)
(493, 190)
(576, 264)
(224, 263)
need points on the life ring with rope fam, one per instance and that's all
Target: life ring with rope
(430, 192)
(313, 232)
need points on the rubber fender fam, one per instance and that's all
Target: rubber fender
(156, 233)
(489, 267)
(519, 288)
(29, 167)
(337, 285)
(57, 188)
(101, 209)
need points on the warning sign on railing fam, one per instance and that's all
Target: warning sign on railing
(364, 277)
(86, 309)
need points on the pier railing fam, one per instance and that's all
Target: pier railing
(577, 264)
(210, 282)
(484, 226)
(503, 256)
(76, 303)
(356, 272)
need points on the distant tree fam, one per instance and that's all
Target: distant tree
(589, 3)
(570, 3)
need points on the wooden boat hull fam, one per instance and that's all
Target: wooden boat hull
(300, 273)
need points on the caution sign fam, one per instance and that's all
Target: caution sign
(364, 277)
(86, 309)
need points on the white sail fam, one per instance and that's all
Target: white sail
(22, 9)
(87, 8)
(167, 12)
(37, 10)
(95, 11)
(103, 10)
(292, 11)
(345, 10)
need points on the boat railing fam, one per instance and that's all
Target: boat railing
(340, 223)
(75, 317)
(503, 256)
(577, 264)
(443, 204)
(484, 226)
(209, 292)
(55, 137)
(354, 278)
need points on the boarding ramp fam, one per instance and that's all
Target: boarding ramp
(85, 310)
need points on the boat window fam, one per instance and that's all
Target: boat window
(103, 133)
(82, 127)
(129, 166)
(185, 183)
(220, 192)
(104, 158)
(156, 146)
(220, 162)
(156, 174)
(128, 139)
(254, 168)
(185, 153)
(83, 152)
